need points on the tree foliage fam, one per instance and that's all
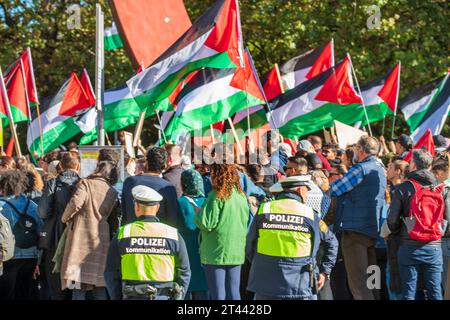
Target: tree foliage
(413, 31)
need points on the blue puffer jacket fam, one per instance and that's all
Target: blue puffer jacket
(20, 202)
(289, 278)
(360, 209)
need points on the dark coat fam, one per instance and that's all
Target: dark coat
(173, 175)
(401, 200)
(55, 197)
(169, 210)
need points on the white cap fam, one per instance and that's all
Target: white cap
(146, 195)
(291, 182)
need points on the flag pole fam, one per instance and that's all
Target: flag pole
(99, 73)
(138, 129)
(277, 69)
(396, 100)
(359, 92)
(160, 126)
(261, 88)
(8, 111)
(38, 104)
(22, 70)
(332, 52)
(233, 130)
(211, 129)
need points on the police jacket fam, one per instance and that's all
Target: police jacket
(125, 250)
(282, 244)
(401, 200)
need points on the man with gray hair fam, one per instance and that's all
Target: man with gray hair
(422, 253)
(361, 195)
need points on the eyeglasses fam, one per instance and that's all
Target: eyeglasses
(285, 168)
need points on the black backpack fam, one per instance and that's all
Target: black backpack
(25, 230)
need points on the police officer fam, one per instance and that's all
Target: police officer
(282, 246)
(147, 260)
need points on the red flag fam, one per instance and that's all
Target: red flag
(389, 91)
(3, 97)
(338, 87)
(245, 79)
(17, 95)
(87, 86)
(425, 142)
(74, 98)
(323, 62)
(28, 75)
(272, 87)
(10, 148)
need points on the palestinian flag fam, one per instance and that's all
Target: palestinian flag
(210, 96)
(424, 142)
(213, 95)
(4, 103)
(257, 114)
(316, 103)
(381, 95)
(27, 65)
(87, 86)
(120, 111)
(57, 117)
(17, 95)
(214, 42)
(416, 104)
(306, 66)
(112, 38)
(436, 113)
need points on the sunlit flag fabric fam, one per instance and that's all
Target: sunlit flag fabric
(87, 86)
(436, 113)
(27, 64)
(314, 104)
(3, 103)
(257, 114)
(416, 104)
(17, 95)
(306, 66)
(57, 117)
(381, 95)
(120, 111)
(213, 95)
(213, 41)
(424, 142)
(112, 38)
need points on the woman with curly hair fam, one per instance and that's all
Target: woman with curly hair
(35, 183)
(223, 230)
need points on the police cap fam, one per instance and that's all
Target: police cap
(303, 180)
(146, 195)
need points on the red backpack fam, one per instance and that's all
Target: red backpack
(426, 216)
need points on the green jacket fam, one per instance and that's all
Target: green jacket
(223, 229)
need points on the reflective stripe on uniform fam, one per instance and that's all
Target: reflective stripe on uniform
(148, 267)
(145, 251)
(285, 229)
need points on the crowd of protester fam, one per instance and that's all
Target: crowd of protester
(64, 224)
